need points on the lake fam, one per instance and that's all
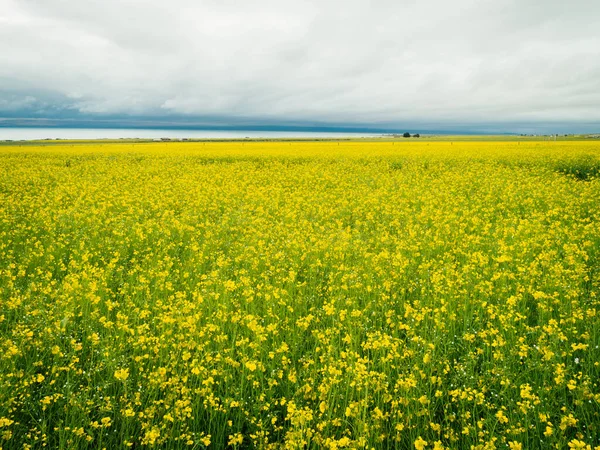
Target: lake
(17, 134)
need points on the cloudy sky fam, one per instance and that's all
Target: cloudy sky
(503, 65)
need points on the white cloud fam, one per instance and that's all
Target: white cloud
(328, 61)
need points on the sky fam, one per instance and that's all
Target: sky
(466, 65)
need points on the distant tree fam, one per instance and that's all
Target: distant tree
(407, 134)
(416, 135)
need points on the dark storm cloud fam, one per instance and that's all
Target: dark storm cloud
(355, 62)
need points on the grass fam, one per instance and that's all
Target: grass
(300, 295)
(583, 168)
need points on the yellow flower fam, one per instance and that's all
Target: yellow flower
(235, 439)
(122, 374)
(501, 417)
(420, 443)
(579, 445)
(5, 422)
(151, 436)
(567, 421)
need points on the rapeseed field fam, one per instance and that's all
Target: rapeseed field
(291, 295)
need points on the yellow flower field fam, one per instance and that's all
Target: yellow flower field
(421, 294)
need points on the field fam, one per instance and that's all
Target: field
(300, 295)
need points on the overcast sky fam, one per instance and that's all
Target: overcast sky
(428, 63)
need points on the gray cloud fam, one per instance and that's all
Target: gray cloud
(355, 62)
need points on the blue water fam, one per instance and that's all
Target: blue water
(17, 134)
